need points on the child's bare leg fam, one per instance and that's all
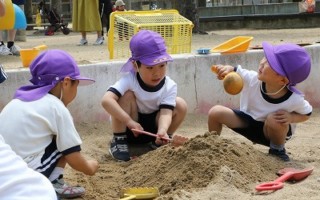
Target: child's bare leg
(128, 103)
(118, 145)
(219, 115)
(178, 115)
(274, 131)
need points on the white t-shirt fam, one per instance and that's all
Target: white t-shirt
(149, 99)
(254, 104)
(18, 181)
(29, 127)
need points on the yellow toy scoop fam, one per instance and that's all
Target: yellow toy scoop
(139, 193)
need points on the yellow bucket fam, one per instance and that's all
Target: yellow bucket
(28, 55)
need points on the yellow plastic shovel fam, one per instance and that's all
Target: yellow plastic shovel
(139, 193)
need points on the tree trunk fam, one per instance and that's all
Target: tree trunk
(28, 11)
(188, 9)
(202, 3)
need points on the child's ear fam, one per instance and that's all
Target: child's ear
(284, 81)
(66, 80)
(135, 66)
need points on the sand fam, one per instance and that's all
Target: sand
(92, 54)
(208, 166)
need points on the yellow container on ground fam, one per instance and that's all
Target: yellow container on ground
(28, 55)
(234, 45)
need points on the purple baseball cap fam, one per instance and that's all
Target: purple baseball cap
(149, 48)
(47, 70)
(289, 60)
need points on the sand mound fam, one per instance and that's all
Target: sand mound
(202, 160)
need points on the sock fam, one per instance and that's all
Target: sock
(120, 137)
(277, 147)
(57, 171)
(1, 43)
(10, 44)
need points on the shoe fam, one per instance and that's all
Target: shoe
(119, 148)
(65, 191)
(282, 154)
(4, 50)
(82, 42)
(15, 50)
(3, 75)
(98, 41)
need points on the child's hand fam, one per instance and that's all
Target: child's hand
(134, 125)
(160, 138)
(283, 117)
(223, 70)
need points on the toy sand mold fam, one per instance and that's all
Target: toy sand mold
(139, 193)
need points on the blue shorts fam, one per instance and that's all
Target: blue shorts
(49, 159)
(254, 131)
(148, 122)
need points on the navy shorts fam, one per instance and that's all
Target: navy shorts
(49, 159)
(148, 123)
(254, 131)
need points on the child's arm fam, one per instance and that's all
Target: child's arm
(2, 8)
(164, 122)
(284, 117)
(79, 163)
(110, 104)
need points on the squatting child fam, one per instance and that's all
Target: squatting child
(270, 104)
(17, 180)
(144, 99)
(39, 127)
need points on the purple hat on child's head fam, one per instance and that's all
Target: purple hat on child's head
(289, 60)
(149, 48)
(47, 70)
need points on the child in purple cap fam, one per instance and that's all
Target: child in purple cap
(144, 99)
(39, 127)
(270, 105)
(18, 181)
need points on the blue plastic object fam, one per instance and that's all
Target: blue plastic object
(20, 18)
(203, 50)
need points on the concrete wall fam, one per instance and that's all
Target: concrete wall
(260, 9)
(196, 83)
(261, 16)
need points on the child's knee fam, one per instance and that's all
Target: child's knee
(181, 106)
(215, 110)
(273, 124)
(127, 97)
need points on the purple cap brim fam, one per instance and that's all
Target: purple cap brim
(83, 80)
(128, 66)
(272, 60)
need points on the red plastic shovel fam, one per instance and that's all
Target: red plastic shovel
(285, 174)
(176, 141)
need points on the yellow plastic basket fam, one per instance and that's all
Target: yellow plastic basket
(235, 45)
(175, 29)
